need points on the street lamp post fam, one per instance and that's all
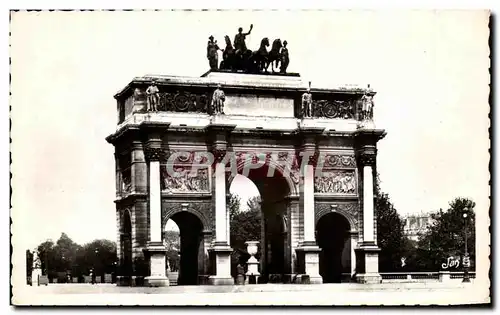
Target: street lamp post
(95, 266)
(466, 260)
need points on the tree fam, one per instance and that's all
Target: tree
(445, 237)
(234, 205)
(245, 226)
(56, 260)
(99, 255)
(172, 241)
(45, 253)
(65, 254)
(29, 265)
(393, 244)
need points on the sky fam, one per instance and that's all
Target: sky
(429, 68)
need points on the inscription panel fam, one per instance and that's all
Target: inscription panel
(261, 105)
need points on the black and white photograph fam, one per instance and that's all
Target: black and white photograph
(250, 157)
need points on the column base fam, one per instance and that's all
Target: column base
(222, 275)
(367, 263)
(123, 281)
(369, 278)
(316, 280)
(157, 281)
(216, 280)
(157, 263)
(308, 255)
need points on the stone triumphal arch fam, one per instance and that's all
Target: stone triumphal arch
(311, 152)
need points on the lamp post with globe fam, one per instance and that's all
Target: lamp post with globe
(97, 264)
(466, 260)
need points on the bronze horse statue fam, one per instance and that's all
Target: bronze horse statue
(252, 61)
(228, 56)
(274, 55)
(260, 56)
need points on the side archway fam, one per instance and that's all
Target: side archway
(333, 237)
(191, 223)
(126, 263)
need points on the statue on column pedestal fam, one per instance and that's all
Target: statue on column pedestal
(367, 102)
(153, 97)
(307, 103)
(218, 99)
(366, 119)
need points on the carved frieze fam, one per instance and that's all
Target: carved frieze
(339, 160)
(178, 156)
(184, 101)
(181, 179)
(350, 210)
(336, 182)
(343, 109)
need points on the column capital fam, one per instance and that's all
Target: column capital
(219, 154)
(367, 157)
(154, 154)
(312, 157)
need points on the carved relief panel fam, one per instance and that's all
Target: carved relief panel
(336, 182)
(337, 175)
(184, 179)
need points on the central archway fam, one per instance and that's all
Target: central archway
(275, 258)
(332, 236)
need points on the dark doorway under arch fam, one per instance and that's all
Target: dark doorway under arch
(332, 236)
(190, 229)
(126, 248)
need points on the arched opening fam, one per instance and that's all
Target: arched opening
(126, 248)
(332, 236)
(190, 232)
(274, 246)
(245, 220)
(172, 242)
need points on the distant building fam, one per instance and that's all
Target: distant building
(416, 224)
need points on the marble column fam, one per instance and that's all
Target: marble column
(368, 209)
(155, 247)
(353, 235)
(228, 221)
(221, 247)
(368, 251)
(308, 250)
(309, 204)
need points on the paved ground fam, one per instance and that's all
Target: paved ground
(266, 294)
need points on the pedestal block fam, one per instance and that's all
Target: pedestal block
(367, 264)
(222, 253)
(157, 264)
(308, 255)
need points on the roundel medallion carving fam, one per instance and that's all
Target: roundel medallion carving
(181, 102)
